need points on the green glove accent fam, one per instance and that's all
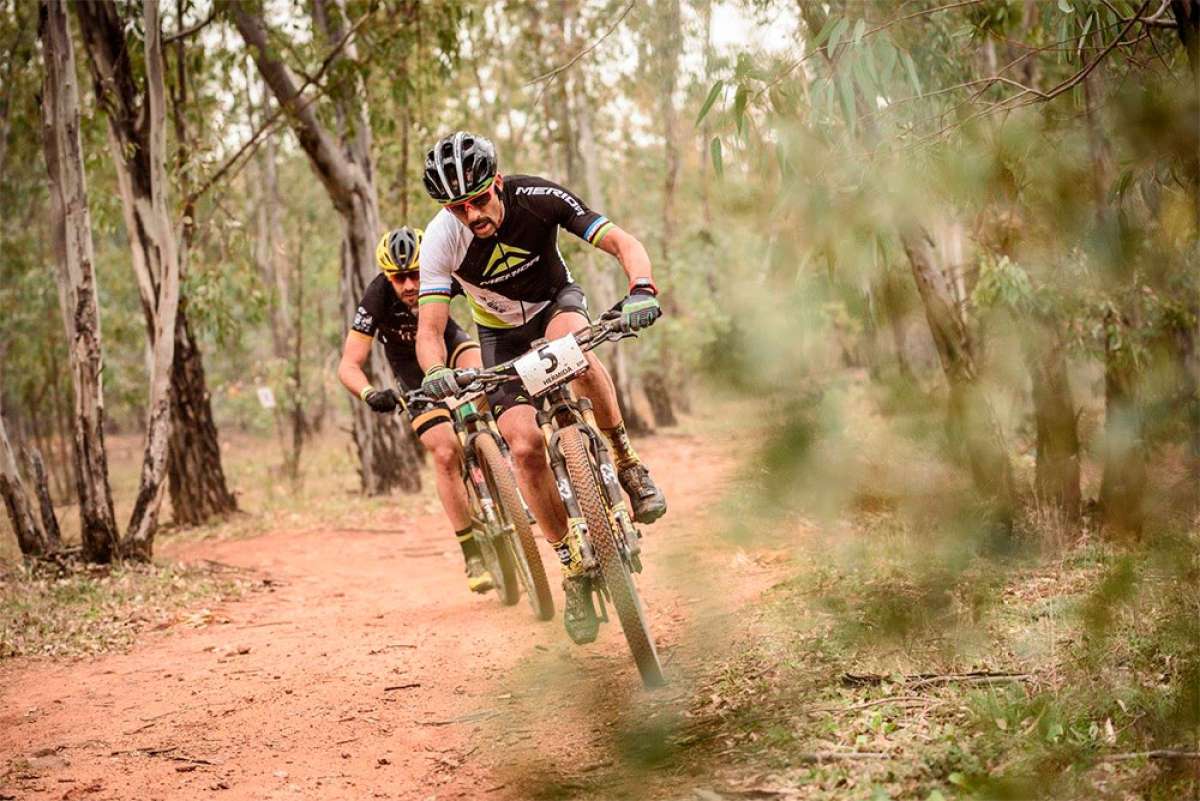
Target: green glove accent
(439, 382)
(639, 310)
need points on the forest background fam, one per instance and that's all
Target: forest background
(971, 226)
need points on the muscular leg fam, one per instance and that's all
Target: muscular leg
(442, 444)
(519, 427)
(596, 384)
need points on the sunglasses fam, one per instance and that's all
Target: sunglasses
(479, 202)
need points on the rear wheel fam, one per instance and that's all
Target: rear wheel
(617, 578)
(521, 546)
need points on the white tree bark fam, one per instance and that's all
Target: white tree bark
(71, 234)
(137, 135)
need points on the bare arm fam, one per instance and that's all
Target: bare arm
(431, 332)
(629, 251)
(355, 353)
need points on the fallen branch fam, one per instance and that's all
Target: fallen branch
(900, 700)
(1161, 753)
(146, 751)
(934, 679)
(816, 757)
(402, 687)
(473, 717)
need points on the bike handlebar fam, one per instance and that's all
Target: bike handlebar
(609, 328)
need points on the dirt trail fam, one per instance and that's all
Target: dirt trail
(366, 670)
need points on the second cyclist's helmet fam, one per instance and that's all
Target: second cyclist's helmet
(398, 251)
(459, 167)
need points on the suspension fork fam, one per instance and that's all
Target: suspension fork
(608, 479)
(562, 480)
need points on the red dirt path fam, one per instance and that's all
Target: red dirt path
(366, 670)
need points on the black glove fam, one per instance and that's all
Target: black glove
(381, 401)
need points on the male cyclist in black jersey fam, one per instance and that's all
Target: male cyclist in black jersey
(497, 236)
(388, 309)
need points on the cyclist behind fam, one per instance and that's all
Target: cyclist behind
(388, 309)
(498, 238)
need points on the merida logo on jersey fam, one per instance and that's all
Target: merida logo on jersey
(505, 258)
(565, 197)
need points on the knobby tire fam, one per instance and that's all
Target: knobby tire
(508, 499)
(621, 590)
(495, 552)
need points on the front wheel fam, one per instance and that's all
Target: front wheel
(617, 578)
(520, 545)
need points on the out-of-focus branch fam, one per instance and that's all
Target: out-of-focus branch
(269, 124)
(186, 32)
(564, 67)
(1155, 20)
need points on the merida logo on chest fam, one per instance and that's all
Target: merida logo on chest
(565, 197)
(506, 261)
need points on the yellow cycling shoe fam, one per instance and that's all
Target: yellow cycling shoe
(478, 577)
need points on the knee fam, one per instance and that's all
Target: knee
(445, 457)
(527, 450)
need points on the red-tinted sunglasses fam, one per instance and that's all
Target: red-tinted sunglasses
(480, 201)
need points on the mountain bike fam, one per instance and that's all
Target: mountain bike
(504, 534)
(586, 476)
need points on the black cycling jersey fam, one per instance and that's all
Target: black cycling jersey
(381, 312)
(512, 276)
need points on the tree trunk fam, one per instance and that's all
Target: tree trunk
(41, 485)
(1123, 486)
(299, 419)
(1057, 472)
(30, 538)
(970, 420)
(661, 382)
(198, 487)
(275, 272)
(658, 392)
(387, 459)
(71, 235)
(137, 136)
(1187, 18)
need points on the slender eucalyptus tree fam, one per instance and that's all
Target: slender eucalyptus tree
(137, 135)
(71, 236)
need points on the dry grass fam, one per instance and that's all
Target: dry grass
(49, 611)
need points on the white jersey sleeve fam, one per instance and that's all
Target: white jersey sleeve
(442, 250)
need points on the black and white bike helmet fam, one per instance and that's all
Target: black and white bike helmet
(459, 167)
(398, 251)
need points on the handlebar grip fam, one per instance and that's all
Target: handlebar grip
(465, 378)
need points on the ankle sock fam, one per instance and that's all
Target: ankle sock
(623, 452)
(466, 541)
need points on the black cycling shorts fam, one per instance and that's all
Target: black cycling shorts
(425, 416)
(501, 344)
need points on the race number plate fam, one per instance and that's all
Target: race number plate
(551, 365)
